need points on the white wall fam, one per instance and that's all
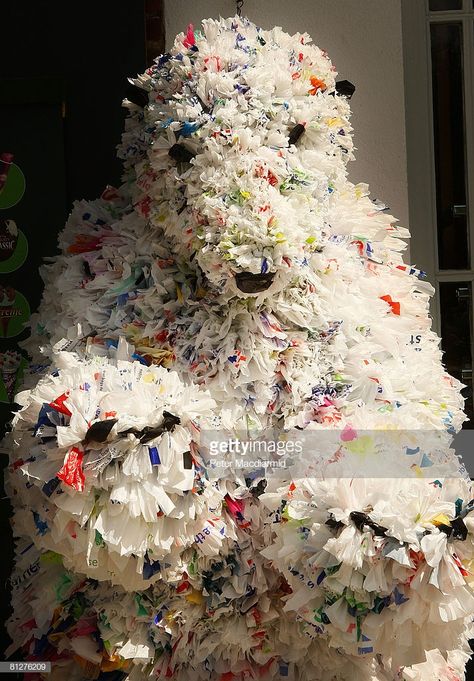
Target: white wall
(364, 40)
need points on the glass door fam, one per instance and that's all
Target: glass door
(450, 30)
(439, 74)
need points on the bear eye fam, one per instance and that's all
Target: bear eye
(247, 282)
(181, 154)
(295, 133)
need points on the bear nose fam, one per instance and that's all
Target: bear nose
(253, 283)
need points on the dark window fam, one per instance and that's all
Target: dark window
(449, 142)
(439, 5)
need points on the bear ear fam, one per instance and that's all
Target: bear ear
(136, 95)
(345, 88)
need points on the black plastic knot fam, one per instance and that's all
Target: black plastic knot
(152, 432)
(459, 529)
(254, 283)
(99, 431)
(333, 523)
(361, 519)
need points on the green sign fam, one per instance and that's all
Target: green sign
(14, 312)
(14, 187)
(13, 247)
